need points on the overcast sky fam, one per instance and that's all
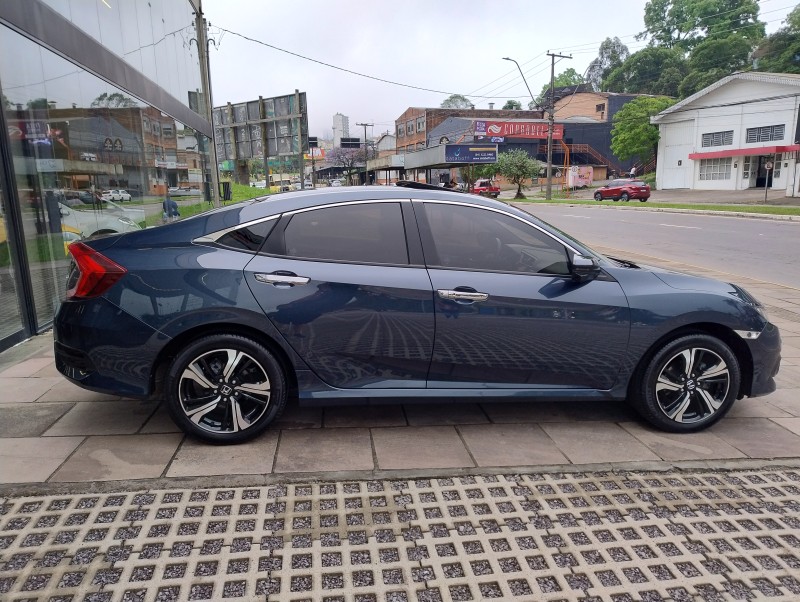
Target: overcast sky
(445, 45)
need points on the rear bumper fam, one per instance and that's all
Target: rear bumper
(101, 348)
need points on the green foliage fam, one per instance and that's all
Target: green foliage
(514, 105)
(612, 54)
(780, 52)
(517, 167)
(632, 134)
(37, 103)
(456, 101)
(570, 77)
(652, 70)
(115, 100)
(685, 23)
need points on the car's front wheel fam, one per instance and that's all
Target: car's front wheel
(625, 197)
(225, 389)
(598, 196)
(689, 384)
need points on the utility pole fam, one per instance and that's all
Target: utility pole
(205, 77)
(366, 169)
(550, 122)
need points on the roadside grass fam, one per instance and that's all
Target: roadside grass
(239, 193)
(633, 204)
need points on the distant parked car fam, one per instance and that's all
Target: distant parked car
(183, 191)
(96, 222)
(116, 195)
(486, 188)
(336, 183)
(623, 190)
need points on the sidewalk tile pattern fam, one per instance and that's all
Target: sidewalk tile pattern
(681, 536)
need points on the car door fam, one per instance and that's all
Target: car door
(348, 293)
(508, 312)
(614, 189)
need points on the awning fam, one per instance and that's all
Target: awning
(739, 152)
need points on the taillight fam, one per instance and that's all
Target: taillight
(97, 273)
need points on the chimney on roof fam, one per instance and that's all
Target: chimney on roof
(491, 106)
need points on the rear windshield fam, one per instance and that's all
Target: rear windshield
(638, 183)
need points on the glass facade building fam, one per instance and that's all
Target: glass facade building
(95, 96)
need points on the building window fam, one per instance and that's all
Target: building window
(718, 138)
(166, 130)
(715, 169)
(600, 108)
(766, 133)
(776, 163)
(420, 124)
(401, 131)
(746, 168)
(410, 128)
(146, 124)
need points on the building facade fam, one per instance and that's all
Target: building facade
(738, 133)
(341, 128)
(94, 96)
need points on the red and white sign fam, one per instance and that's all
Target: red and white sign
(517, 129)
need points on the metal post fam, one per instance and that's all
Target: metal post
(366, 167)
(551, 122)
(205, 70)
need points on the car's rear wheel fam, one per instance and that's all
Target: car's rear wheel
(598, 196)
(625, 197)
(689, 384)
(225, 389)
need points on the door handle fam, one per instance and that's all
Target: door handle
(282, 279)
(472, 297)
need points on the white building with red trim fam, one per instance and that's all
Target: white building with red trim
(738, 133)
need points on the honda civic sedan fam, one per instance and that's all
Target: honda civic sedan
(370, 294)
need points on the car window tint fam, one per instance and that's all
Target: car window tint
(366, 232)
(638, 183)
(479, 239)
(247, 238)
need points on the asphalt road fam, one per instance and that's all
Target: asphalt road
(765, 249)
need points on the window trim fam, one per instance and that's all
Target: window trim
(725, 137)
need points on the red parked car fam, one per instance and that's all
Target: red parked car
(486, 188)
(623, 189)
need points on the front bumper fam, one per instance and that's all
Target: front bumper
(766, 354)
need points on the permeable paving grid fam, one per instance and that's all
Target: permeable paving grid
(726, 535)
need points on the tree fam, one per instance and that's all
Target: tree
(652, 70)
(612, 54)
(115, 100)
(6, 103)
(513, 105)
(349, 159)
(711, 60)
(456, 101)
(570, 77)
(37, 103)
(780, 52)
(475, 171)
(685, 23)
(632, 134)
(517, 167)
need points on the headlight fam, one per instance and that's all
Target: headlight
(749, 299)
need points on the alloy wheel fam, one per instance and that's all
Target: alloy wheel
(692, 385)
(224, 391)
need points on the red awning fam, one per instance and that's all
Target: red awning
(738, 152)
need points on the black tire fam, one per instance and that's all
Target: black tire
(615, 199)
(598, 196)
(680, 401)
(625, 197)
(225, 389)
(643, 200)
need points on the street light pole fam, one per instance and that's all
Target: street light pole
(505, 58)
(366, 167)
(551, 123)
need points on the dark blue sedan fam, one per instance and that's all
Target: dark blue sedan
(374, 293)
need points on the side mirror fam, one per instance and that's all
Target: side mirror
(584, 268)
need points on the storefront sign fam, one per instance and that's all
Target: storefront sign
(469, 153)
(517, 129)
